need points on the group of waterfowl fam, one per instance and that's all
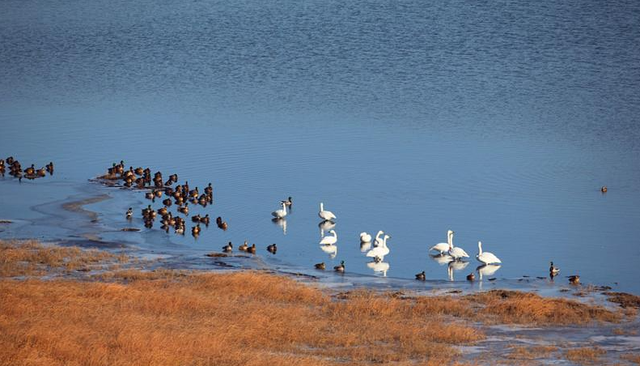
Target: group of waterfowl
(179, 194)
(15, 169)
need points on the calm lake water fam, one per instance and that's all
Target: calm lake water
(500, 120)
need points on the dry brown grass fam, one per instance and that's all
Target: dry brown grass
(30, 258)
(586, 355)
(633, 358)
(530, 352)
(516, 307)
(623, 299)
(243, 318)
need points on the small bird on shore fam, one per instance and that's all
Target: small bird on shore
(421, 276)
(574, 280)
(273, 248)
(320, 266)
(129, 213)
(228, 248)
(553, 270)
(471, 277)
(339, 268)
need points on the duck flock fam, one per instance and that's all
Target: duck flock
(16, 171)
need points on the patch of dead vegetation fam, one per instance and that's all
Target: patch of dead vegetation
(633, 358)
(585, 355)
(30, 258)
(530, 352)
(623, 299)
(516, 307)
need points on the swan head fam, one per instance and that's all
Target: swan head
(380, 232)
(332, 232)
(449, 232)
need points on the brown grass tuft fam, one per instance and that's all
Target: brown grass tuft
(515, 307)
(30, 258)
(584, 355)
(624, 300)
(530, 352)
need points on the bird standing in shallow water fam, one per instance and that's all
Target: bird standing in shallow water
(273, 248)
(339, 268)
(421, 276)
(129, 213)
(553, 270)
(603, 189)
(471, 277)
(319, 265)
(228, 248)
(574, 280)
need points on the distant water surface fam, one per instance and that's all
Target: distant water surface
(500, 120)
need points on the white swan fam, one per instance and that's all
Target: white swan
(365, 238)
(330, 240)
(332, 250)
(443, 247)
(278, 214)
(326, 215)
(456, 253)
(378, 253)
(381, 267)
(486, 257)
(378, 240)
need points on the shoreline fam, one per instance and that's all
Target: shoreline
(490, 326)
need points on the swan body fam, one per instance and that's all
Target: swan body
(455, 252)
(326, 215)
(378, 240)
(486, 257)
(330, 240)
(278, 214)
(378, 253)
(365, 237)
(443, 247)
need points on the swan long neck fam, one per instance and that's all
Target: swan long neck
(479, 248)
(451, 241)
(321, 206)
(384, 241)
(335, 235)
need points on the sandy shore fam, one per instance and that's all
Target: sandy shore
(66, 305)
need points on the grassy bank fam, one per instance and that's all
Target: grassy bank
(132, 317)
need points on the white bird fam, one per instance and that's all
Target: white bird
(378, 253)
(486, 257)
(378, 240)
(326, 215)
(443, 247)
(330, 240)
(365, 238)
(456, 253)
(278, 214)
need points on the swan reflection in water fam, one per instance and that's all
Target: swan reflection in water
(441, 259)
(364, 247)
(282, 222)
(332, 250)
(487, 270)
(326, 226)
(379, 267)
(455, 266)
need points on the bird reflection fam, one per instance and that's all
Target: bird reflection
(364, 247)
(282, 222)
(455, 266)
(379, 267)
(441, 259)
(326, 226)
(332, 250)
(487, 270)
